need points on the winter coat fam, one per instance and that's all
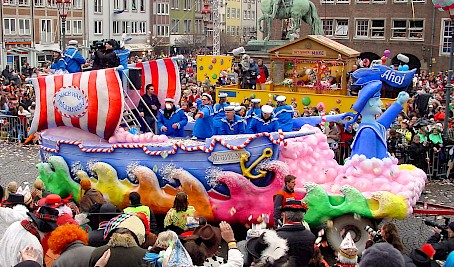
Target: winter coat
(75, 254)
(91, 197)
(442, 248)
(10, 215)
(178, 116)
(300, 242)
(73, 59)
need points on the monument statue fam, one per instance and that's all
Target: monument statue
(290, 9)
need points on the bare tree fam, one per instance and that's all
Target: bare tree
(229, 42)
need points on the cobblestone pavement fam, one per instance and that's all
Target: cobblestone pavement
(18, 163)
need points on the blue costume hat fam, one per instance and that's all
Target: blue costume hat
(371, 90)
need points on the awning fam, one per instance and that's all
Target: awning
(138, 47)
(46, 47)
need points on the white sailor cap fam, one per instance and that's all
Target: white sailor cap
(169, 100)
(208, 95)
(267, 109)
(238, 108)
(281, 98)
(256, 100)
(222, 95)
(57, 50)
(229, 108)
(73, 42)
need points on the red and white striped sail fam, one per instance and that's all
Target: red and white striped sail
(164, 75)
(99, 113)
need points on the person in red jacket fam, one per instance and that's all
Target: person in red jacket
(440, 115)
(263, 75)
(287, 193)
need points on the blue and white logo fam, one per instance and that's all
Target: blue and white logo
(71, 102)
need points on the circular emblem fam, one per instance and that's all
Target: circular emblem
(71, 102)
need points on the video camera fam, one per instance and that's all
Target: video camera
(100, 45)
(443, 228)
(376, 235)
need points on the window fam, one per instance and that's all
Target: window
(133, 5)
(77, 27)
(228, 12)
(124, 27)
(162, 30)
(175, 26)
(9, 2)
(46, 31)
(228, 29)
(327, 1)
(134, 27)
(77, 4)
(245, 14)
(125, 5)
(362, 28)
(233, 13)
(198, 26)
(238, 13)
(116, 27)
(24, 2)
(24, 27)
(175, 4)
(67, 27)
(447, 27)
(253, 15)
(9, 26)
(143, 27)
(98, 27)
(116, 4)
(341, 28)
(51, 3)
(142, 5)
(39, 3)
(162, 9)
(328, 27)
(97, 6)
(378, 29)
(408, 29)
(419, 1)
(187, 4)
(187, 24)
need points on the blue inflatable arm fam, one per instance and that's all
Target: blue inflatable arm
(387, 118)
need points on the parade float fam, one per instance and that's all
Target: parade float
(231, 178)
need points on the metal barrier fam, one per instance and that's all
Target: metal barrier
(14, 128)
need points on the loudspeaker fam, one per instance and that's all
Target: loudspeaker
(135, 75)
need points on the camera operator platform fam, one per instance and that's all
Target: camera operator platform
(105, 57)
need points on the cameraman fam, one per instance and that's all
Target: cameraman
(444, 247)
(106, 58)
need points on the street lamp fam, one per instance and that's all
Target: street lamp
(63, 8)
(206, 11)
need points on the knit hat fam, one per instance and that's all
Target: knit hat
(382, 255)
(429, 250)
(85, 184)
(128, 221)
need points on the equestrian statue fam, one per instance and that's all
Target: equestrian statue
(290, 9)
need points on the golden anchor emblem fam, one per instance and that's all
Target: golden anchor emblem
(266, 154)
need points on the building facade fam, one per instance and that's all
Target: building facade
(248, 20)
(32, 28)
(110, 19)
(411, 27)
(182, 21)
(160, 27)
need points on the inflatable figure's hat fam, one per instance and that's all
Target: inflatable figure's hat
(348, 248)
(371, 90)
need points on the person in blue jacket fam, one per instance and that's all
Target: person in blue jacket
(172, 119)
(231, 124)
(219, 107)
(203, 127)
(73, 58)
(123, 54)
(265, 123)
(284, 114)
(254, 110)
(59, 63)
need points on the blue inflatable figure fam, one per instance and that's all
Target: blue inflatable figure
(370, 139)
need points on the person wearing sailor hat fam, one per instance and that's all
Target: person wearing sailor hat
(203, 127)
(284, 113)
(172, 119)
(231, 124)
(73, 58)
(265, 123)
(58, 63)
(254, 110)
(219, 109)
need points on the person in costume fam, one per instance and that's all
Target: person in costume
(230, 124)
(219, 107)
(284, 114)
(348, 253)
(73, 58)
(370, 138)
(172, 119)
(265, 123)
(287, 193)
(123, 54)
(203, 127)
(58, 63)
(253, 111)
